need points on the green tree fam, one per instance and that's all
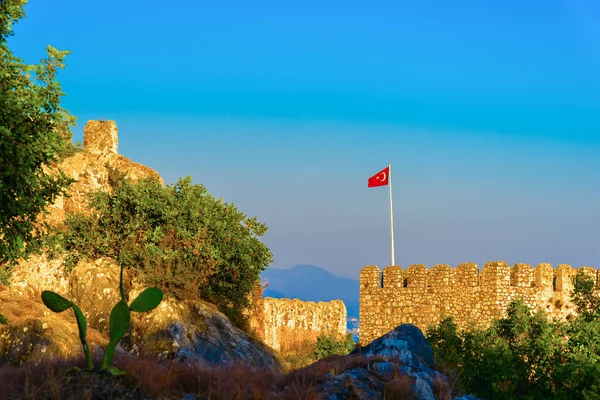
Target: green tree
(34, 135)
(515, 358)
(579, 369)
(585, 297)
(524, 356)
(178, 237)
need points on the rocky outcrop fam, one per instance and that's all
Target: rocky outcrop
(397, 365)
(174, 330)
(94, 287)
(90, 169)
(196, 332)
(37, 273)
(34, 333)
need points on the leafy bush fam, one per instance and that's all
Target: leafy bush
(329, 345)
(178, 238)
(3, 320)
(524, 356)
(585, 298)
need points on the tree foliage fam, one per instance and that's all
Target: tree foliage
(525, 356)
(178, 237)
(34, 133)
(329, 345)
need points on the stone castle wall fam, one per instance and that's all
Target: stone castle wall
(286, 323)
(424, 296)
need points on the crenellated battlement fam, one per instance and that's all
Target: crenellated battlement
(417, 276)
(424, 296)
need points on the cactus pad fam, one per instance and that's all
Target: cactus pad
(148, 300)
(119, 321)
(55, 302)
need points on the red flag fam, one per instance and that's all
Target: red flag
(381, 178)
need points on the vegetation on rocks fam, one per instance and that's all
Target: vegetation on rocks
(524, 356)
(178, 238)
(354, 376)
(329, 345)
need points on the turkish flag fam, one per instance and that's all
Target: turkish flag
(381, 178)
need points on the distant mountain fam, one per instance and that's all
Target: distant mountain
(273, 293)
(311, 283)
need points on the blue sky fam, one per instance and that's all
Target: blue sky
(489, 113)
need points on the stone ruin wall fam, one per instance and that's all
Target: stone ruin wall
(89, 169)
(424, 296)
(286, 323)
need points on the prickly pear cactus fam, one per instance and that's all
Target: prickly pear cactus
(120, 318)
(57, 303)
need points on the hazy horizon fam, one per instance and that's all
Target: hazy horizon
(488, 112)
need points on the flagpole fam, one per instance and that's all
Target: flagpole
(391, 214)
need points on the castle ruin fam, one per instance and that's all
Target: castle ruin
(424, 297)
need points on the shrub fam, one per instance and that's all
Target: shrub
(328, 345)
(585, 298)
(524, 356)
(179, 238)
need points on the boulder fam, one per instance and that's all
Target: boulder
(192, 331)
(39, 273)
(35, 333)
(94, 287)
(198, 332)
(399, 364)
(406, 342)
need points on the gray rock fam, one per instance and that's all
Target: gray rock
(405, 351)
(405, 342)
(199, 334)
(423, 389)
(384, 369)
(356, 383)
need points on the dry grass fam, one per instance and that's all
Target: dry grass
(51, 381)
(293, 340)
(154, 380)
(442, 389)
(151, 379)
(449, 388)
(170, 380)
(296, 346)
(400, 388)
